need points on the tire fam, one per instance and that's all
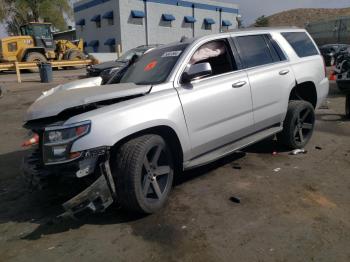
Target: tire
(143, 185)
(298, 125)
(74, 55)
(34, 57)
(347, 106)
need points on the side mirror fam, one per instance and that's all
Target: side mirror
(196, 71)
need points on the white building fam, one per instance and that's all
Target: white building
(104, 24)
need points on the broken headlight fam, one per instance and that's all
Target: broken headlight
(58, 141)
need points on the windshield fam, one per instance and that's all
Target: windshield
(155, 66)
(128, 55)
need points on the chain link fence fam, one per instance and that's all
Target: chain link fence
(331, 31)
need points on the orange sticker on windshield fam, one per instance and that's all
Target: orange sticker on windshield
(150, 66)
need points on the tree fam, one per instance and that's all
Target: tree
(261, 21)
(15, 13)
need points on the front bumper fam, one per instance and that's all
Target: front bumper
(92, 72)
(95, 198)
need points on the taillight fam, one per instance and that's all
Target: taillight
(324, 66)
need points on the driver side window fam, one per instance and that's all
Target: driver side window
(218, 54)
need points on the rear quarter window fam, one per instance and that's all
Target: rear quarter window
(301, 43)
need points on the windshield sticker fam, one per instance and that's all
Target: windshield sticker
(150, 66)
(172, 53)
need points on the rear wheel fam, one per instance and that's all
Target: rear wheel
(35, 57)
(298, 125)
(144, 173)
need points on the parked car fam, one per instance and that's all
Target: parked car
(330, 52)
(181, 106)
(107, 69)
(342, 76)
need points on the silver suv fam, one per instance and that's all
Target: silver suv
(178, 107)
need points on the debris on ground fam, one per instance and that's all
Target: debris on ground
(235, 200)
(318, 147)
(236, 166)
(277, 169)
(298, 151)
(274, 153)
(2, 91)
(183, 227)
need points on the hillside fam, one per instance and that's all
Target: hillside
(299, 17)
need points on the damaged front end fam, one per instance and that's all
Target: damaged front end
(53, 158)
(97, 197)
(90, 173)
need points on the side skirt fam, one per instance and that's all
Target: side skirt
(232, 147)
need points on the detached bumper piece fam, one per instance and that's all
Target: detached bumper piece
(96, 198)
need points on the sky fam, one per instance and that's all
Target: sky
(251, 9)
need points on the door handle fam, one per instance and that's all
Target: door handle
(284, 72)
(239, 84)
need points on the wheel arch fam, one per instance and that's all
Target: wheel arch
(34, 49)
(304, 91)
(167, 133)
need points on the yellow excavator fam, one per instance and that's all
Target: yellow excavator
(36, 44)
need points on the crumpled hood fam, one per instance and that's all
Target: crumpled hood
(87, 82)
(54, 103)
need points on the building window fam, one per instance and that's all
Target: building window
(208, 22)
(110, 17)
(97, 20)
(94, 44)
(167, 20)
(190, 19)
(81, 23)
(225, 25)
(111, 43)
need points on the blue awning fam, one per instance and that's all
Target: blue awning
(226, 23)
(94, 43)
(110, 41)
(209, 21)
(137, 14)
(168, 17)
(190, 19)
(81, 22)
(108, 15)
(96, 18)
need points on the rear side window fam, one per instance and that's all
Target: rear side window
(301, 43)
(276, 50)
(254, 50)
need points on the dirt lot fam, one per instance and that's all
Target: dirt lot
(293, 208)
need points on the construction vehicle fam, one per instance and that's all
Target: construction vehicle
(36, 44)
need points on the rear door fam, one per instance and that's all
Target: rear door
(270, 77)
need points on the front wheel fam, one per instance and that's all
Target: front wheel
(298, 125)
(144, 171)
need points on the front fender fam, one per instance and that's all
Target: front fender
(111, 124)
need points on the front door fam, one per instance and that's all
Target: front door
(218, 108)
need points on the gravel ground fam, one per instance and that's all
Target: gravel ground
(292, 208)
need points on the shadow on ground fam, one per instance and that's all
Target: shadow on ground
(19, 204)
